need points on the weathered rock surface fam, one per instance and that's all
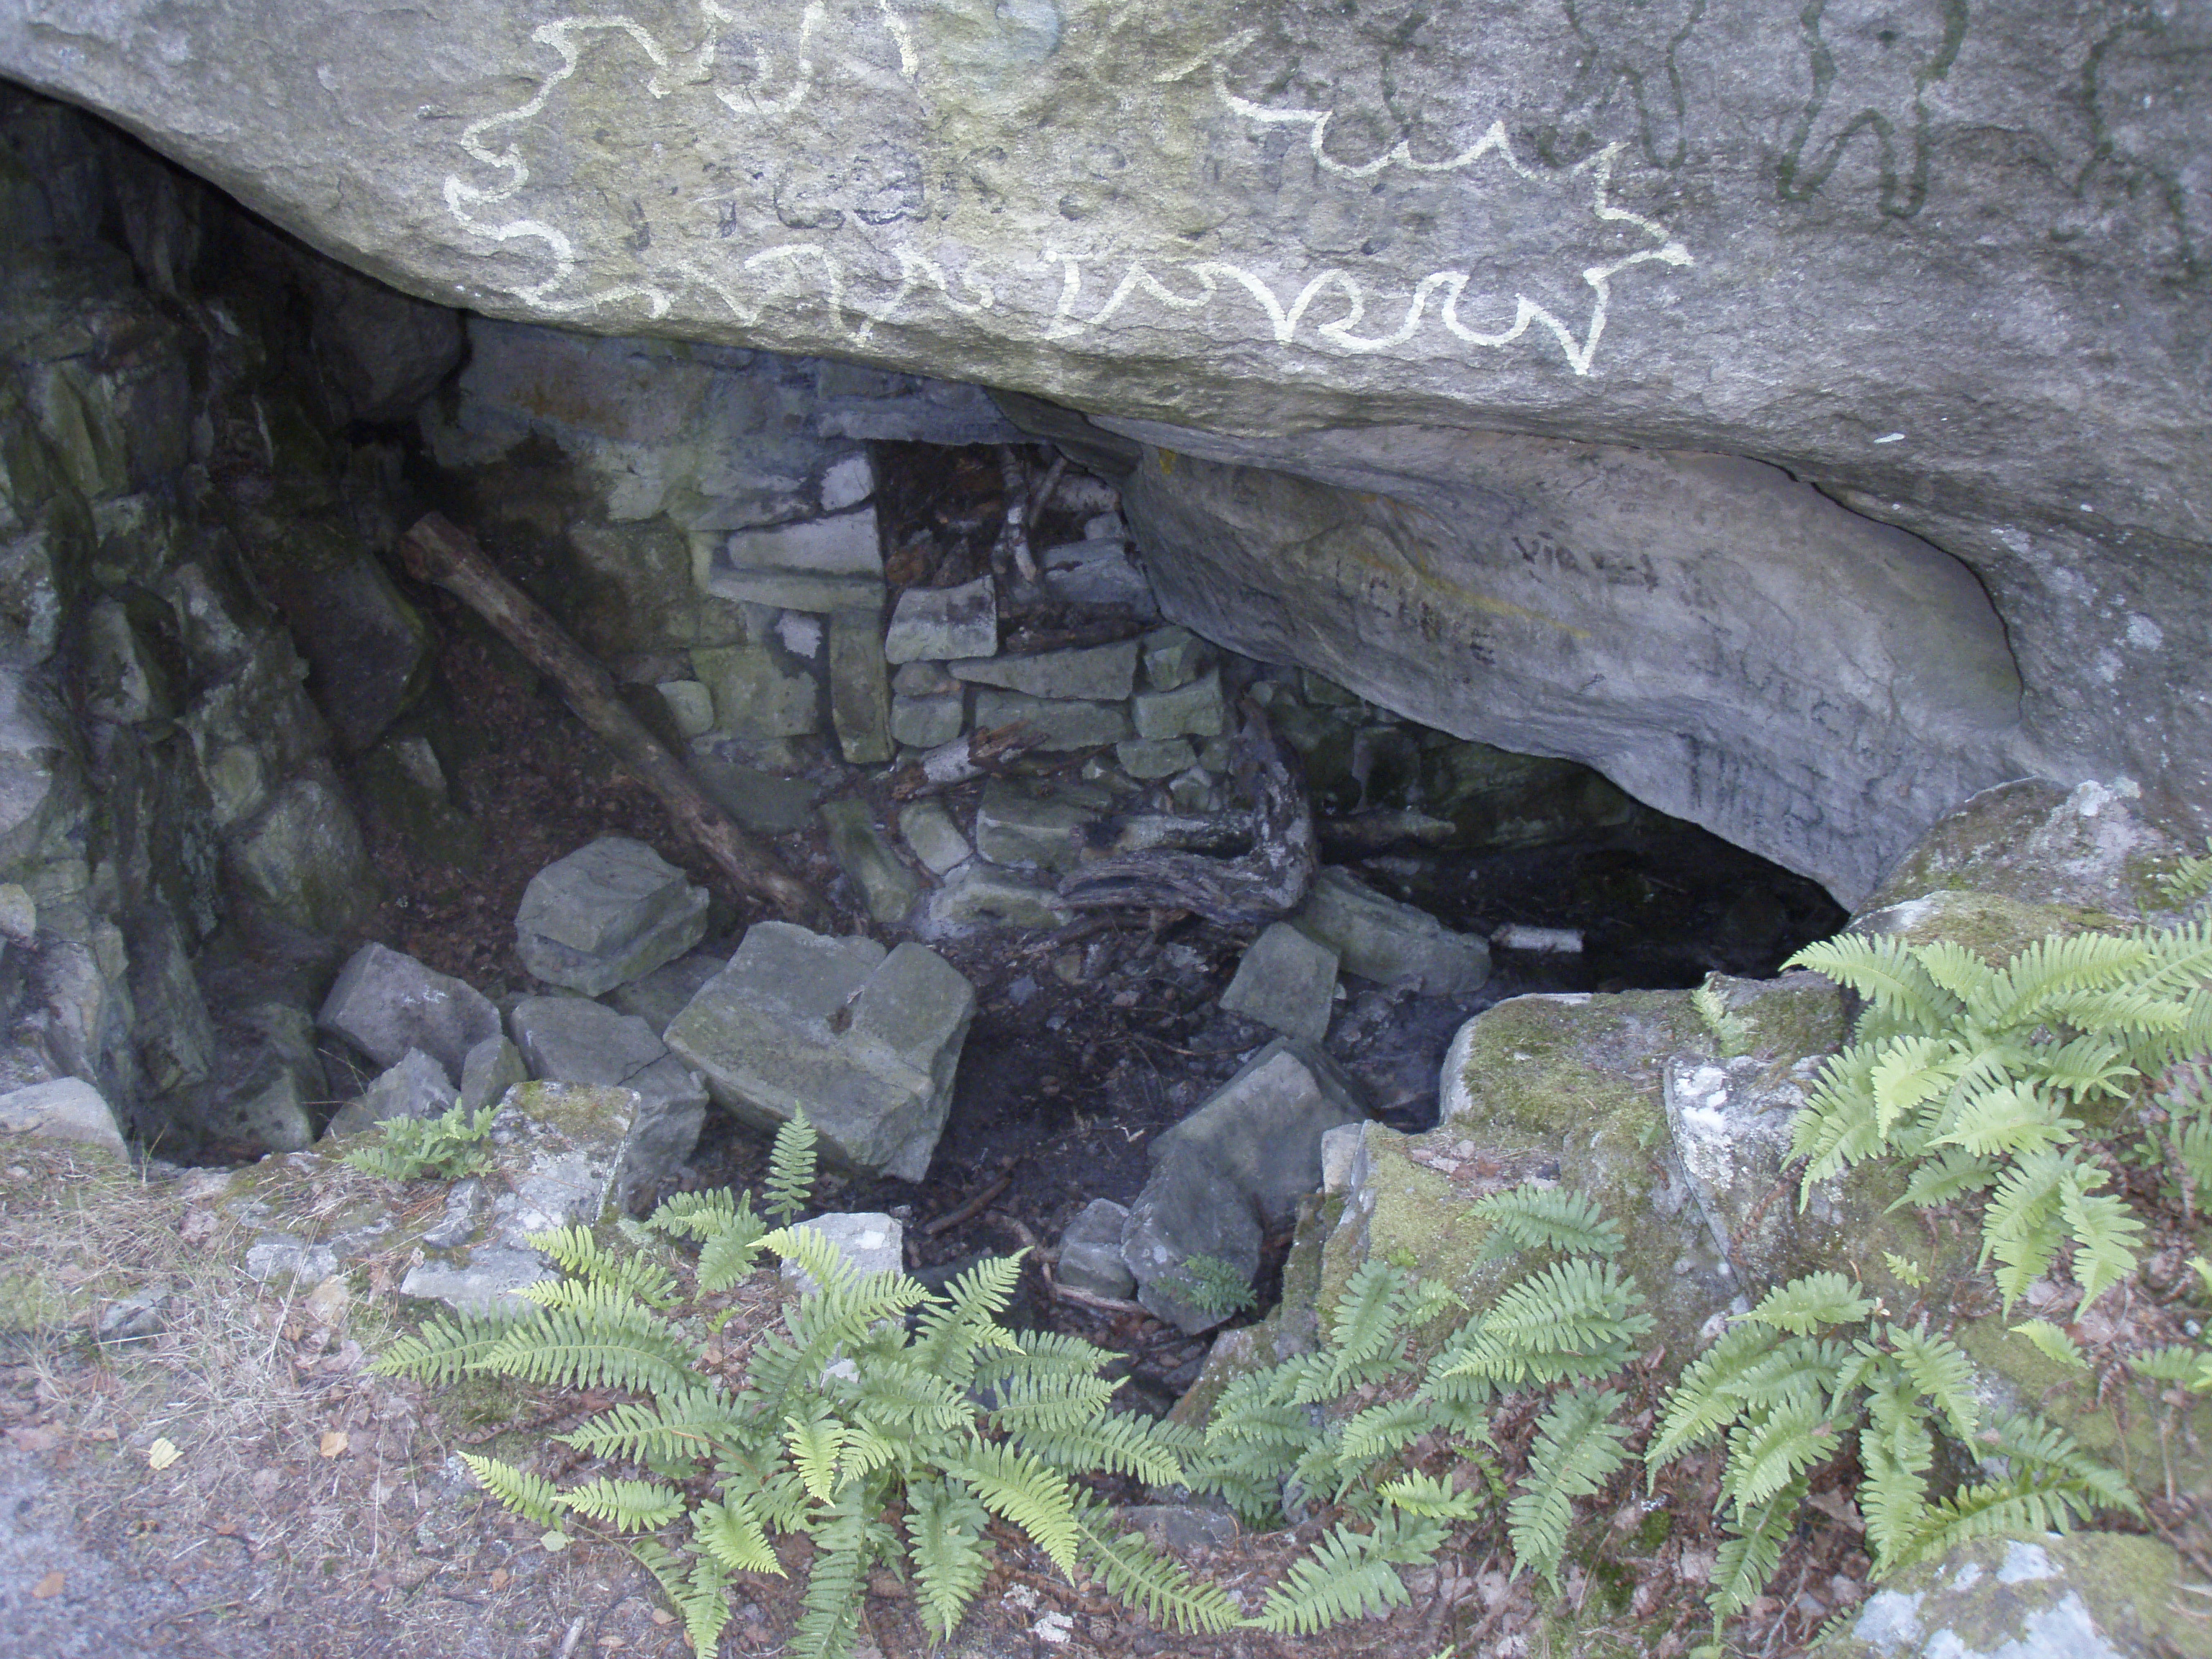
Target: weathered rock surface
(68, 1109)
(1090, 1257)
(417, 1085)
(1691, 236)
(1286, 980)
(865, 1042)
(869, 1242)
(1098, 673)
(385, 1003)
(2087, 1595)
(1032, 824)
(1392, 943)
(607, 913)
(869, 860)
(937, 624)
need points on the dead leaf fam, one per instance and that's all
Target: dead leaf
(105, 1431)
(49, 1587)
(333, 1442)
(499, 1577)
(226, 1528)
(161, 1454)
(33, 1439)
(662, 1616)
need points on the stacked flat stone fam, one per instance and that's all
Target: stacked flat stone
(866, 1040)
(607, 913)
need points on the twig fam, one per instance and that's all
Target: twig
(973, 1207)
(1041, 497)
(1016, 536)
(962, 761)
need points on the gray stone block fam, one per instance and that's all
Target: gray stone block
(607, 913)
(1028, 823)
(418, 1086)
(1187, 1208)
(860, 688)
(1392, 943)
(602, 895)
(1194, 710)
(827, 564)
(865, 1042)
(925, 722)
(1098, 571)
(1339, 1148)
(1287, 981)
(662, 994)
(937, 624)
(981, 892)
(1173, 657)
(1146, 759)
(67, 1109)
(760, 800)
(570, 1040)
(932, 836)
(923, 679)
(1261, 1130)
(757, 692)
(868, 859)
(490, 1069)
(1098, 673)
(1090, 1251)
(1056, 724)
(385, 1003)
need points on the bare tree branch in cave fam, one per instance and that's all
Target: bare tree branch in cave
(437, 551)
(1244, 892)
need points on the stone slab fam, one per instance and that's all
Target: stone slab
(1192, 710)
(1261, 1130)
(823, 565)
(1148, 760)
(1090, 1251)
(1392, 943)
(938, 624)
(384, 1002)
(1098, 673)
(657, 997)
(1173, 657)
(1057, 725)
(1097, 572)
(866, 856)
(866, 1042)
(417, 1085)
(67, 1109)
(860, 688)
(592, 976)
(926, 722)
(1028, 824)
(979, 891)
(602, 895)
(932, 836)
(755, 692)
(1286, 980)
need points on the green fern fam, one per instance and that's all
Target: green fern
(1534, 1217)
(2190, 880)
(1576, 1449)
(1975, 1076)
(1210, 1285)
(445, 1350)
(791, 1169)
(1350, 1575)
(447, 1146)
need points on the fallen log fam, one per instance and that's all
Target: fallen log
(1244, 892)
(437, 551)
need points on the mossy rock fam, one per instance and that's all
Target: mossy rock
(2092, 1595)
(1993, 927)
(1292, 1327)
(2126, 1424)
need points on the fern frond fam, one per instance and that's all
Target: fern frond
(1885, 971)
(1118, 1442)
(2048, 971)
(693, 1215)
(1910, 1072)
(945, 1533)
(816, 1443)
(791, 1169)
(1534, 1217)
(1767, 1452)
(1747, 1559)
(1953, 1175)
(606, 1341)
(530, 1496)
(1941, 1372)
(731, 1531)
(1709, 1396)
(1896, 1451)
(2035, 1447)
(690, 1424)
(701, 1594)
(2012, 1121)
(1365, 1336)
(1350, 1575)
(1574, 1319)
(1433, 1496)
(1136, 1575)
(444, 1348)
(830, 1614)
(1809, 1304)
(635, 1505)
(2104, 1230)
(1383, 1431)
(1027, 1492)
(2021, 1225)
(727, 1251)
(1839, 1125)
(1576, 1449)
(574, 1251)
(2190, 880)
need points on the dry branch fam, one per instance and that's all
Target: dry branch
(960, 761)
(437, 551)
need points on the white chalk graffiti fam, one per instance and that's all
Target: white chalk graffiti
(794, 274)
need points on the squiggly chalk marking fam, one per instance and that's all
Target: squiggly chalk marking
(1450, 284)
